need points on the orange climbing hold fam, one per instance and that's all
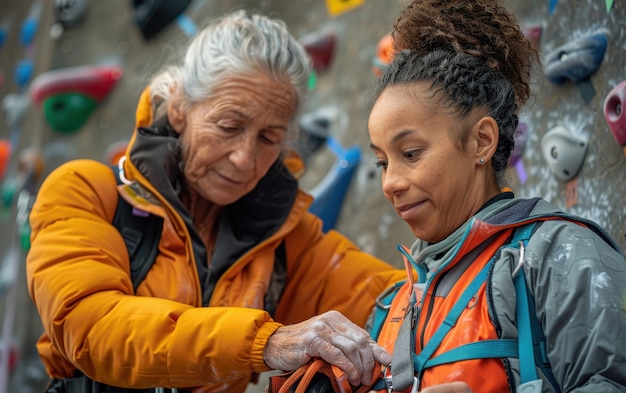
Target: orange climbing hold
(384, 54)
(115, 152)
(5, 156)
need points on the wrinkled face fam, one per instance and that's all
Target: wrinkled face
(430, 181)
(230, 141)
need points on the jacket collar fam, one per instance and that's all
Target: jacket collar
(155, 153)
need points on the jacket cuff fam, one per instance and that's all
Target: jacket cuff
(258, 346)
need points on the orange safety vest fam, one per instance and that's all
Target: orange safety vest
(429, 307)
(439, 326)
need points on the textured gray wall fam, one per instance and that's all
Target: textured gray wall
(109, 35)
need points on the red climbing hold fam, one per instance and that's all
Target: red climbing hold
(614, 112)
(533, 33)
(93, 81)
(320, 47)
(5, 156)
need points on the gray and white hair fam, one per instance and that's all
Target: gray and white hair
(237, 44)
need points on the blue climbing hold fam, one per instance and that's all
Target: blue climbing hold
(28, 31)
(330, 193)
(576, 60)
(23, 72)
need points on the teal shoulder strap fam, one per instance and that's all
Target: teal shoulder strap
(528, 373)
(531, 340)
(381, 309)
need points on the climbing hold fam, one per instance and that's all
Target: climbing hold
(7, 194)
(329, 193)
(68, 112)
(3, 35)
(519, 137)
(24, 234)
(336, 7)
(28, 31)
(114, 152)
(564, 152)
(312, 80)
(95, 82)
(152, 16)
(576, 60)
(30, 165)
(384, 54)
(187, 25)
(70, 95)
(314, 129)
(23, 72)
(519, 143)
(552, 5)
(533, 33)
(15, 107)
(614, 112)
(69, 13)
(320, 47)
(5, 156)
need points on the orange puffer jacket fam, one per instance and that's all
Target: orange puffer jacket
(164, 335)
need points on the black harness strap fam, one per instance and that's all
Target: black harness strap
(141, 233)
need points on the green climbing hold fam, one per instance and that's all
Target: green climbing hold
(68, 112)
(312, 80)
(7, 194)
(25, 236)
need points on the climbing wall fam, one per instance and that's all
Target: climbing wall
(567, 129)
(107, 36)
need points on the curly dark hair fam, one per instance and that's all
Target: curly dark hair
(461, 83)
(481, 28)
(473, 54)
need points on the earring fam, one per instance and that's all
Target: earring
(482, 160)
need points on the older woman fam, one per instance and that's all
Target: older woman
(512, 294)
(244, 280)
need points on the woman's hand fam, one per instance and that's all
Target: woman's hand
(332, 337)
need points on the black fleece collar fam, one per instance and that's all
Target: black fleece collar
(256, 216)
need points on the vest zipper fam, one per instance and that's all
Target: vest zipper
(431, 302)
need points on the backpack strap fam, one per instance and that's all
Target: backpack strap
(277, 280)
(141, 232)
(531, 340)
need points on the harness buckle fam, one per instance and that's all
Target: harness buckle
(387, 378)
(383, 295)
(520, 264)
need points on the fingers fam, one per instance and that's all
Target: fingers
(347, 346)
(380, 354)
(332, 337)
(353, 357)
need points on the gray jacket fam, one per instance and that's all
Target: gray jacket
(577, 276)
